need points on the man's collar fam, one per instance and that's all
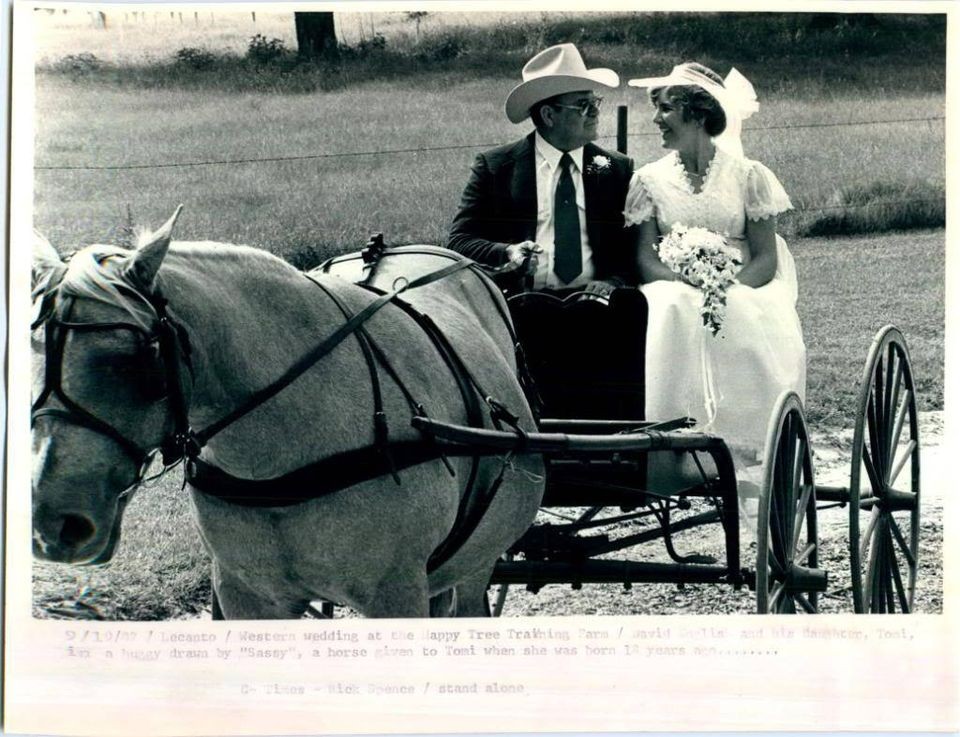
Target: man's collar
(552, 154)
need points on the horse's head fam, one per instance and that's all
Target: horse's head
(101, 396)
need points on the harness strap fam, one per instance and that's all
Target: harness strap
(468, 506)
(172, 345)
(307, 362)
(327, 476)
(523, 369)
(472, 506)
(381, 432)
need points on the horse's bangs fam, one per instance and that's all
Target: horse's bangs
(96, 273)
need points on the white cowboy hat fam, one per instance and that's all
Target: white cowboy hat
(554, 71)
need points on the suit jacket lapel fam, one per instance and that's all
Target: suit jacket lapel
(592, 193)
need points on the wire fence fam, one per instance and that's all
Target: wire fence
(423, 149)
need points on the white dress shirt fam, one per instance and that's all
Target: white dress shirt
(547, 165)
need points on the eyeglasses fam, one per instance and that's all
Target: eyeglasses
(585, 107)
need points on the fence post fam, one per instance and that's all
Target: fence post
(622, 129)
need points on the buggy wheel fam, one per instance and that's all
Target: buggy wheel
(787, 574)
(884, 493)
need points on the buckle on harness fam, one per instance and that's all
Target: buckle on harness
(381, 442)
(183, 444)
(499, 413)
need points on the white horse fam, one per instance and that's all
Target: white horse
(159, 347)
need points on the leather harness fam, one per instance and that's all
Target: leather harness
(331, 474)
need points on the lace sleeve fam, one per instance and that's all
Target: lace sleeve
(765, 195)
(639, 205)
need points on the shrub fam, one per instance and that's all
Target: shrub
(265, 51)
(193, 58)
(80, 63)
(365, 48)
(878, 207)
(441, 48)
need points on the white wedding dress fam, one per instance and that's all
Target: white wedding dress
(730, 382)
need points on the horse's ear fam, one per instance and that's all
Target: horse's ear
(46, 260)
(145, 263)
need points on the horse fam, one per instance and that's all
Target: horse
(307, 478)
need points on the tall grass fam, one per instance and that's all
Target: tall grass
(878, 207)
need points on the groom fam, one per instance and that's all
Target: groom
(552, 203)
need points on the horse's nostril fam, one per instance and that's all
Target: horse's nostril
(76, 530)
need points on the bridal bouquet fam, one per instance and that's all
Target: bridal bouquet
(702, 258)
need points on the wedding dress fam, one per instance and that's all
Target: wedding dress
(729, 382)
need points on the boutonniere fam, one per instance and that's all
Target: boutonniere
(599, 164)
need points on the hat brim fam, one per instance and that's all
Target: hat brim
(667, 81)
(527, 94)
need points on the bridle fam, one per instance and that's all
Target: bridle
(174, 350)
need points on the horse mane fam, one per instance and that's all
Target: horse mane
(96, 272)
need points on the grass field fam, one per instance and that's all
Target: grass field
(391, 153)
(330, 202)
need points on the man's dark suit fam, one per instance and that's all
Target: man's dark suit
(499, 208)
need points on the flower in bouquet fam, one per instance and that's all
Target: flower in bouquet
(703, 259)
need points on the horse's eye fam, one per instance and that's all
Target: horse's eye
(141, 372)
(151, 378)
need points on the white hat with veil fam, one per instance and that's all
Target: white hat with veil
(736, 96)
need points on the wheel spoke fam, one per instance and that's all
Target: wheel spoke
(775, 593)
(886, 409)
(778, 544)
(872, 574)
(776, 568)
(881, 572)
(878, 398)
(804, 604)
(895, 473)
(888, 579)
(872, 474)
(789, 493)
(868, 533)
(895, 385)
(787, 606)
(897, 579)
(902, 410)
(898, 534)
(801, 516)
(805, 553)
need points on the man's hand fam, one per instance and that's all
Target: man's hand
(601, 288)
(524, 254)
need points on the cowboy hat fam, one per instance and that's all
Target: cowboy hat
(554, 71)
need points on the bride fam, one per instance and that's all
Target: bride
(730, 381)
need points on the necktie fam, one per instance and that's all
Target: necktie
(567, 262)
